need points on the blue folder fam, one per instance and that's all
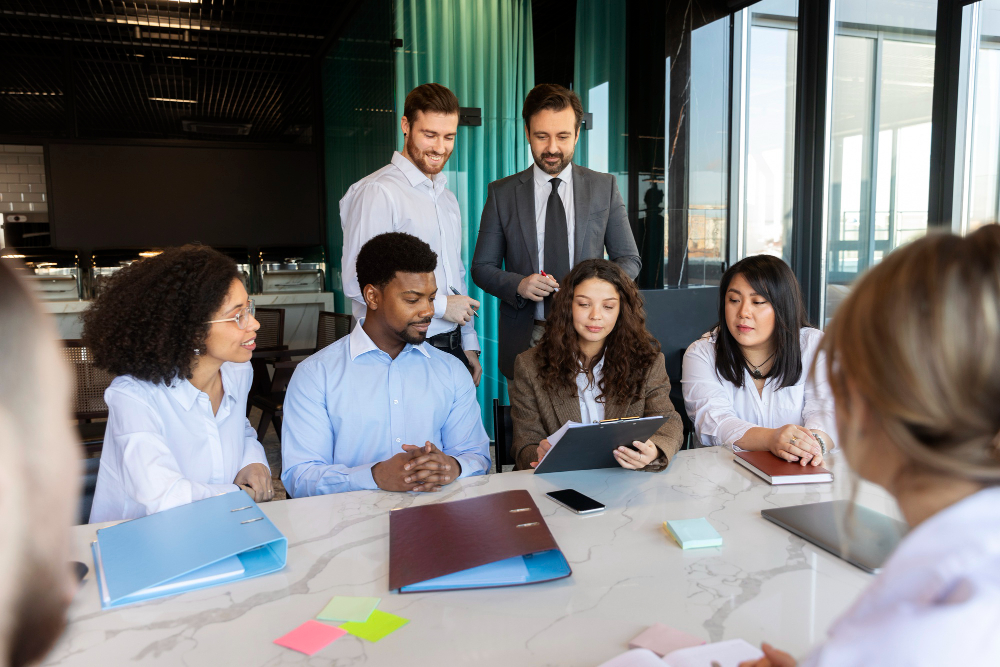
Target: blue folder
(529, 569)
(204, 543)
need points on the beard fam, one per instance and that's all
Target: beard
(564, 160)
(39, 615)
(419, 158)
(413, 338)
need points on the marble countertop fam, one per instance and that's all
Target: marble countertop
(762, 584)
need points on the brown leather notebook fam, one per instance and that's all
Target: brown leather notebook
(779, 471)
(432, 541)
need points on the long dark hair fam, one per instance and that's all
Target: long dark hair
(772, 279)
(630, 348)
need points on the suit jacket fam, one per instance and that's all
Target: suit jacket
(538, 413)
(507, 246)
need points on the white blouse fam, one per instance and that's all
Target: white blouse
(164, 447)
(936, 602)
(591, 410)
(723, 413)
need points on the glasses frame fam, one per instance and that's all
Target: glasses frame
(242, 318)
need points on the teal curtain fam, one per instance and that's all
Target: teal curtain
(483, 52)
(599, 81)
(358, 108)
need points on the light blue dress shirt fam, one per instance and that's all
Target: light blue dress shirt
(350, 406)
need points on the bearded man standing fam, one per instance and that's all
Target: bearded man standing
(409, 195)
(538, 224)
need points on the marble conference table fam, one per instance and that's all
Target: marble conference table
(762, 584)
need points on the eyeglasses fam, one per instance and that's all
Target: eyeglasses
(241, 318)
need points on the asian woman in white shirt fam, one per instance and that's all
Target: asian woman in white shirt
(596, 360)
(178, 330)
(913, 356)
(748, 384)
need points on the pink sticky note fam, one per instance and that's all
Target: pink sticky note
(662, 639)
(310, 637)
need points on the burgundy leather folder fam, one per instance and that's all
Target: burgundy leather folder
(432, 541)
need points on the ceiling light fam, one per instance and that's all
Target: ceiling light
(181, 58)
(12, 256)
(150, 253)
(173, 99)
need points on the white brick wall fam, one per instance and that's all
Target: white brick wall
(22, 182)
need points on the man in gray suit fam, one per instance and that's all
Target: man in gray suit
(538, 224)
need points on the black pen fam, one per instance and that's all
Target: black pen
(457, 293)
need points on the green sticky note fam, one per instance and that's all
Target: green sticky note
(344, 608)
(379, 624)
(693, 533)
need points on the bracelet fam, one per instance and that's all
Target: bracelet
(822, 445)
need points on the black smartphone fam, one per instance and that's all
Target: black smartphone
(575, 501)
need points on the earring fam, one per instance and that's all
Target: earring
(197, 353)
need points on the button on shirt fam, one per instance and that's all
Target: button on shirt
(164, 447)
(936, 601)
(591, 411)
(401, 198)
(351, 405)
(723, 413)
(543, 188)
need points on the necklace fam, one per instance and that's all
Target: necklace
(755, 368)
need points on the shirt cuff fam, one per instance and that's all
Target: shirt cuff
(471, 465)
(362, 479)
(470, 340)
(440, 305)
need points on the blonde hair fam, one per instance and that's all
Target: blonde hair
(918, 340)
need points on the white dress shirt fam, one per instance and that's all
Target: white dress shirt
(723, 413)
(591, 410)
(543, 188)
(164, 447)
(937, 600)
(351, 405)
(401, 198)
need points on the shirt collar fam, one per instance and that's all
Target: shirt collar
(414, 176)
(186, 393)
(361, 342)
(542, 179)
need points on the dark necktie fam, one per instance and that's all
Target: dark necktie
(556, 240)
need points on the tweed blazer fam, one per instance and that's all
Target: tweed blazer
(537, 413)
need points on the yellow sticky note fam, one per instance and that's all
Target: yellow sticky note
(344, 608)
(378, 625)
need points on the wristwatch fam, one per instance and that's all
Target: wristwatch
(822, 445)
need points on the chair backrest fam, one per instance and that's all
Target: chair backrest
(88, 401)
(282, 375)
(332, 326)
(677, 318)
(91, 467)
(271, 335)
(503, 434)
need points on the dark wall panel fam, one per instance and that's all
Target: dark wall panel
(107, 196)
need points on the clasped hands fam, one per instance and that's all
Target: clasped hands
(422, 469)
(796, 444)
(641, 456)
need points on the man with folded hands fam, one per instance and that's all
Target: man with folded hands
(380, 408)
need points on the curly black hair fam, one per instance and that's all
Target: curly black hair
(384, 255)
(152, 315)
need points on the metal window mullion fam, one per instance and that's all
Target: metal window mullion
(739, 91)
(866, 242)
(963, 204)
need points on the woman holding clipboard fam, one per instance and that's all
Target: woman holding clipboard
(595, 361)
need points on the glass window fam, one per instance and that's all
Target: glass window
(879, 169)
(983, 206)
(766, 220)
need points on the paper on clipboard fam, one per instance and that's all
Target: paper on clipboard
(557, 436)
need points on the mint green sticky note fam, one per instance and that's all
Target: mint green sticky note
(693, 533)
(379, 624)
(345, 608)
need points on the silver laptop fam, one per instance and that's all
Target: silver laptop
(869, 538)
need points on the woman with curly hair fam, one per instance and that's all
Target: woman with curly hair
(596, 360)
(747, 382)
(178, 330)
